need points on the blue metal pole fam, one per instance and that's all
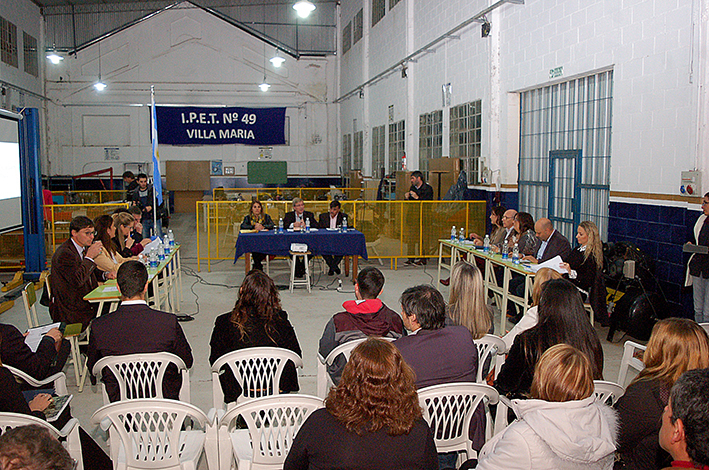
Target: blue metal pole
(32, 201)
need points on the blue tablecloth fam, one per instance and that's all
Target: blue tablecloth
(322, 242)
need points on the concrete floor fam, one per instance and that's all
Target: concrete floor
(209, 294)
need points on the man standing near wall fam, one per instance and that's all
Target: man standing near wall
(419, 191)
(142, 197)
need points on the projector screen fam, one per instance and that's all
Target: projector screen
(10, 190)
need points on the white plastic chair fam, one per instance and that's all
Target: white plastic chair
(272, 425)
(607, 392)
(142, 375)
(705, 326)
(29, 299)
(58, 380)
(629, 360)
(257, 370)
(324, 382)
(152, 437)
(70, 432)
(448, 410)
(492, 348)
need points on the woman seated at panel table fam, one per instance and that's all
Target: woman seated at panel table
(109, 259)
(123, 242)
(497, 234)
(526, 238)
(585, 264)
(258, 220)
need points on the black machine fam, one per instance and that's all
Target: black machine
(637, 311)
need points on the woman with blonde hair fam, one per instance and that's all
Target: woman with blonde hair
(675, 346)
(584, 265)
(371, 420)
(530, 318)
(562, 426)
(123, 241)
(466, 303)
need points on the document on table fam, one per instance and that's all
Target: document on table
(35, 335)
(110, 289)
(554, 263)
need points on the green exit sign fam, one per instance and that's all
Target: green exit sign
(556, 72)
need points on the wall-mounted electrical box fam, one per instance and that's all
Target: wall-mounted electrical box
(691, 183)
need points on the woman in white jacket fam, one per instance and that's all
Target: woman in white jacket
(562, 426)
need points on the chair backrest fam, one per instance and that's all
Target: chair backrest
(273, 423)
(448, 409)
(629, 360)
(491, 355)
(58, 380)
(149, 429)
(142, 375)
(607, 392)
(29, 298)
(13, 420)
(705, 326)
(345, 349)
(257, 370)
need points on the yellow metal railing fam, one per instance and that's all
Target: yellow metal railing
(57, 218)
(392, 229)
(284, 194)
(91, 197)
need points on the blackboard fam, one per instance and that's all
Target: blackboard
(263, 172)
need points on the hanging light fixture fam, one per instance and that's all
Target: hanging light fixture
(53, 57)
(264, 86)
(304, 8)
(99, 85)
(277, 60)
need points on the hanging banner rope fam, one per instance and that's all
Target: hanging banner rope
(192, 125)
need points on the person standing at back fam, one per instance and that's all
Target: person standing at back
(419, 191)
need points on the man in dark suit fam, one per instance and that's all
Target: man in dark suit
(437, 353)
(332, 219)
(50, 357)
(296, 220)
(74, 274)
(419, 191)
(136, 328)
(553, 242)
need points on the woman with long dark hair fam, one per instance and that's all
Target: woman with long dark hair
(676, 345)
(109, 259)
(256, 320)
(257, 220)
(526, 238)
(562, 319)
(371, 420)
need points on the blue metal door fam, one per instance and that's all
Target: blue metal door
(565, 190)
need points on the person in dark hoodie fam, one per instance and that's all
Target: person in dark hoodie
(365, 316)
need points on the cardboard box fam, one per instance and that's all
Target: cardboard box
(442, 174)
(403, 183)
(185, 201)
(187, 176)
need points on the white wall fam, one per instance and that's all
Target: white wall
(657, 49)
(192, 58)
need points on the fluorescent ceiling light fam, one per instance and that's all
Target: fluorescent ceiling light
(304, 8)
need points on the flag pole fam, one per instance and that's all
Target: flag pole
(157, 181)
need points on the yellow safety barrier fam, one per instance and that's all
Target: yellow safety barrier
(58, 217)
(91, 197)
(56, 230)
(284, 194)
(392, 229)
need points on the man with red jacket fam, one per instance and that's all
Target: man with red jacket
(365, 316)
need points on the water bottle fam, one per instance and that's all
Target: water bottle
(344, 224)
(486, 244)
(171, 237)
(153, 258)
(454, 234)
(166, 244)
(280, 225)
(461, 237)
(515, 254)
(505, 254)
(307, 225)
(161, 251)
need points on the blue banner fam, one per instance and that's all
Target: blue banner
(191, 125)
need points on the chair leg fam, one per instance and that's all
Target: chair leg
(307, 271)
(292, 273)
